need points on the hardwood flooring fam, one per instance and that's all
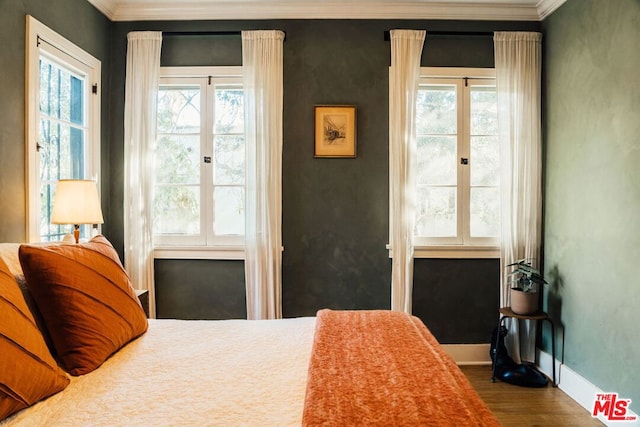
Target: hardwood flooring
(522, 406)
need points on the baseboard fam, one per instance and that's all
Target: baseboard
(469, 354)
(578, 388)
(544, 365)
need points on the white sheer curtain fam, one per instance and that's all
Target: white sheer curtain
(262, 65)
(404, 76)
(143, 71)
(518, 81)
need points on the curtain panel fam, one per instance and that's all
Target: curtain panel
(141, 89)
(518, 81)
(404, 76)
(262, 62)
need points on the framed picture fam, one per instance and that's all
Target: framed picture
(335, 131)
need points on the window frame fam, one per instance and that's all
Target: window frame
(206, 245)
(463, 245)
(43, 40)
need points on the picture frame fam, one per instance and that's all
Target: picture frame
(335, 131)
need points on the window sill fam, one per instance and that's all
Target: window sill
(199, 252)
(454, 252)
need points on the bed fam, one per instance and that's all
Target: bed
(338, 368)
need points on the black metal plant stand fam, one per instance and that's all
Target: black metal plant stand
(505, 313)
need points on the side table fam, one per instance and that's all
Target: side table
(505, 313)
(143, 296)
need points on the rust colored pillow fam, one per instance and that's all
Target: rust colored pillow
(86, 300)
(28, 372)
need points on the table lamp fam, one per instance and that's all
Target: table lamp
(76, 202)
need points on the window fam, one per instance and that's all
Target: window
(200, 163)
(458, 164)
(63, 124)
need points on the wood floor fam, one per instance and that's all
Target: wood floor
(521, 406)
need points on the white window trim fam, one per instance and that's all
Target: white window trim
(453, 252)
(198, 72)
(458, 72)
(457, 250)
(37, 31)
(200, 252)
(225, 247)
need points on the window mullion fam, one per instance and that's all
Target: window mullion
(206, 178)
(463, 169)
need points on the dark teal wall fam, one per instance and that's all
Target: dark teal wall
(200, 289)
(83, 25)
(457, 298)
(592, 191)
(335, 211)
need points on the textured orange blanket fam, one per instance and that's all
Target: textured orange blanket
(384, 368)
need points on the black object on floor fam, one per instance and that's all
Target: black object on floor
(508, 371)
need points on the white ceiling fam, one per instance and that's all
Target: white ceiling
(516, 10)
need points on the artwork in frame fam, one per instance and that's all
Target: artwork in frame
(335, 131)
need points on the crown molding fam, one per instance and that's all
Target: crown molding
(162, 10)
(107, 7)
(547, 7)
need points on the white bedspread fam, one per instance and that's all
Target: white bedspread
(191, 373)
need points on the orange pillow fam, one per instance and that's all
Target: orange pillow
(28, 372)
(86, 300)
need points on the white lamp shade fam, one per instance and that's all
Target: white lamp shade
(76, 202)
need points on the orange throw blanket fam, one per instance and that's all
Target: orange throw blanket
(384, 368)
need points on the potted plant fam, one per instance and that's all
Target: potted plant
(525, 282)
